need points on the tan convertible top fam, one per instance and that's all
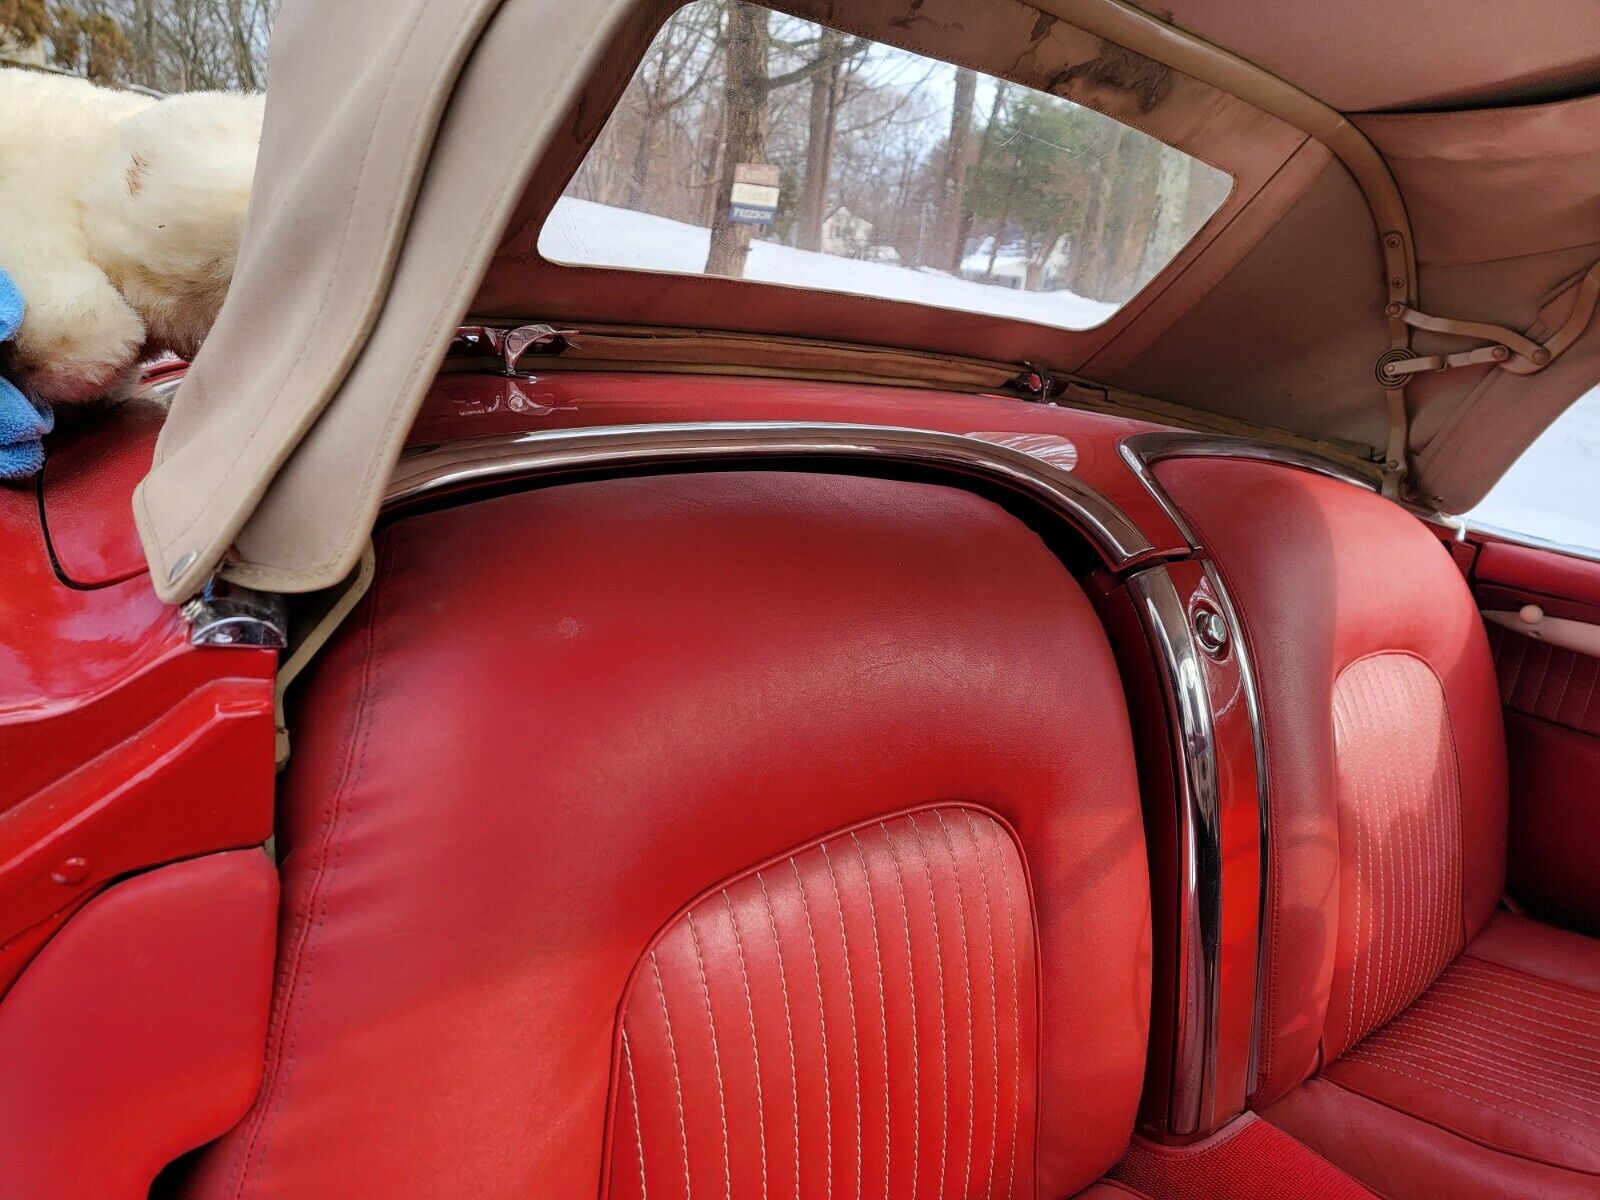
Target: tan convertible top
(413, 147)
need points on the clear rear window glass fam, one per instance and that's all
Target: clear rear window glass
(1551, 494)
(756, 145)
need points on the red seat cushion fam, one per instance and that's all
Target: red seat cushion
(563, 720)
(1246, 1160)
(1501, 1055)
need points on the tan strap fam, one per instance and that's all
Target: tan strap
(342, 601)
(1512, 351)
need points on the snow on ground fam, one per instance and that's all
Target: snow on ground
(1007, 262)
(583, 232)
(1553, 491)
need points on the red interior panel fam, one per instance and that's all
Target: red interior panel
(1555, 822)
(1542, 572)
(1551, 697)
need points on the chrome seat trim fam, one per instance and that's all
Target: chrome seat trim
(435, 470)
(1142, 450)
(1198, 982)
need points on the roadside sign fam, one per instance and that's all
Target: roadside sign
(755, 194)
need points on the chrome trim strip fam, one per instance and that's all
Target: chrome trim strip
(1252, 703)
(437, 469)
(1198, 982)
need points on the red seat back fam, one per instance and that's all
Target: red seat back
(1385, 750)
(782, 825)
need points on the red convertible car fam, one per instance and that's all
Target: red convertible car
(854, 599)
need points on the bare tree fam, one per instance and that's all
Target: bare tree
(744, 134)
(957, 157)
(165, 45)
(832, 54)
(746, 87)
(671, 73)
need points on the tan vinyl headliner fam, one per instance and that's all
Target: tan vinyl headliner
(1372, 55)
(412, 149)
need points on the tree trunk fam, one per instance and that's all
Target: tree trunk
(957, 155)
(1094, 250)
(641, 161)
(1135, 206)
(744, 131)
(1171, 220)
(812, 209)
(994, 242)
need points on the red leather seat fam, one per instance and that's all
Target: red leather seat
(733, 834)
(1449, 1051)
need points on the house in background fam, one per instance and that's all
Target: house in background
(846, 235)
(1009, 267)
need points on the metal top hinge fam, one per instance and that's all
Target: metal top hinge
(511, 344)
(1043, 387)
(227, 615)
(1507, 349)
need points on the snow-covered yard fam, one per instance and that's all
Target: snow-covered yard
(583, 232)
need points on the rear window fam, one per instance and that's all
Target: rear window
(756, 145)
(1551, 495)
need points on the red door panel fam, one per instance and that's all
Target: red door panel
(1555, 833)
(1551, 696)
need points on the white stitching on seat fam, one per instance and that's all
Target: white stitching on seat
(944, 1038)
(677, 1079)
(716, 1060)
(1452, 986)
(755, 1041)
(1433, 1081)
(966, 983)
(788, 1025)
(1447, 1024)
(638, 1125)
(883, 1007)
(822, 1018)
(850, 993)
(1585, 1013)
(994, 1007)
(1488, 1067)
(1016, 1008)
(916, 1042)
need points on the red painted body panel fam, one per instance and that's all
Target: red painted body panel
(123, 745)
(137, 1034)
(87, 482)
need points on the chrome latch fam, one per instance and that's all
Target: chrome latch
(228, 615)
(1210, 630)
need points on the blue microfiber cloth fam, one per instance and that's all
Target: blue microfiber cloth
(23, 423)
